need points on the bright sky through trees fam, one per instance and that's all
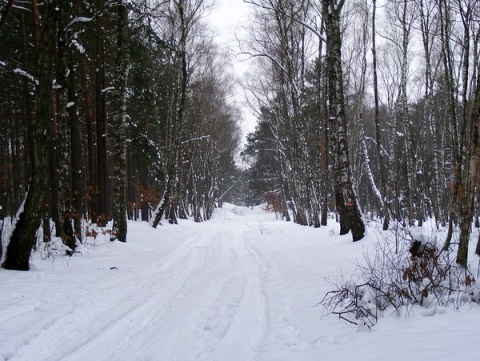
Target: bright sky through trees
(228, 18)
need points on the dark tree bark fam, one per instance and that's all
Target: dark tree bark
(103, 208)
(2, 220)
(89, 120)
(119, 122)
(76, 151)
(68, 234)
(27, 102)
(23, 236)
(53, 181)
(471, 175)
(6, 12)
(469, 133)
(63, 142)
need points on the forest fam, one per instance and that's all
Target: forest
(111, 110)
(117, 110)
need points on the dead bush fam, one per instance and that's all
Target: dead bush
(397, 275)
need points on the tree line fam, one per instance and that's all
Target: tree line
(111, 110)
(115, 109)
(367, 107)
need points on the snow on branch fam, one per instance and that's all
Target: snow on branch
(79, 19)
(25, 74)
(83, 19)
(195, 139)
(108, 89)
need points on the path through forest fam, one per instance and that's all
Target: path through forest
(243, 286)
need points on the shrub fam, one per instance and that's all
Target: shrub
(400, 273)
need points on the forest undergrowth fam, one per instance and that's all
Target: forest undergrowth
(406, 270)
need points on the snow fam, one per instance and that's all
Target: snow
(243, 286)
(25, 74)
(78, 19)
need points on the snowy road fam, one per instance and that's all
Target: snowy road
(240, 287)
(193, 304)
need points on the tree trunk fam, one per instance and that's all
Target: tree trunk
(103, 207)
(378, 138)
(63, 144)
(346, 202)
(445, 28)
(119, 122)
(27, 103)
(24, 234)
(88, 113)
(53, 168)
(466, 208)
(169, 199)
(2, 220)
(76, 153)
(435, 188)
(326, 183)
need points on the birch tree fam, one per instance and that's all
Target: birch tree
(345, 197)
(429, 26)
(356, 67)
(470, 93)
(378, 137)
(183, 15)
(281, 43)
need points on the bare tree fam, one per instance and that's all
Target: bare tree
(355, 68)
(282, 43)
(378, 138)
(345, 198)
(182, 16)
(428, 26)
(462, 119)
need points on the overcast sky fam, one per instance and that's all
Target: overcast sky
(227, 17)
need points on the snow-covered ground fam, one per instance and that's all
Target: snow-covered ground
(243, 286)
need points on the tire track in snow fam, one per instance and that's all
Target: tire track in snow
(282, 335)
(238, 310)
(180, 264)
(167, 317)
(242, 338)
(201, 325)
(213, 297)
